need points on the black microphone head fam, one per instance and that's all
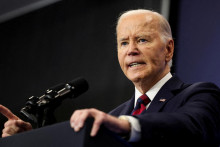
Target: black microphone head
(79, 86)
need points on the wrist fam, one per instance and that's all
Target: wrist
(127, 127)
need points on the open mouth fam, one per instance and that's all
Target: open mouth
(135, 64)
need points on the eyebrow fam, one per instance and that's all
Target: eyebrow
(123, 39)
(139, 36)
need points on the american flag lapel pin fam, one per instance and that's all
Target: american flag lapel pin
(162, 100)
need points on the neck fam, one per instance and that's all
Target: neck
(146, 84)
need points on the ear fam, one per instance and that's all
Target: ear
(169, 50)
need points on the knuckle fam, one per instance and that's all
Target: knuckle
(76, 111)
(86, 110)
(5, 135)
(9, 123)
(92, 109)
(102, 115)
(4, 130)
(72, 118)
(7, 130)
(28, 124)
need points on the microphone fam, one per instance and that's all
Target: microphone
(54, 96)
(70, 90)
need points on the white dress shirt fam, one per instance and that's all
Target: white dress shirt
(135, 125)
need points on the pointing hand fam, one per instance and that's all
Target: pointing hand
(14, 124)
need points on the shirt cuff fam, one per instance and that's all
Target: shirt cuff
(135, 134)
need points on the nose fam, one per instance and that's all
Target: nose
(133, 49)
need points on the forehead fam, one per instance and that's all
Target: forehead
(135, 23)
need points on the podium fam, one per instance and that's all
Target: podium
(62, 135)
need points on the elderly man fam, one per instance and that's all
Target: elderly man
(163, 110)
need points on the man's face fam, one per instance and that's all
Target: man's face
(142, 53)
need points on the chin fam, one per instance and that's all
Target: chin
(135, 79)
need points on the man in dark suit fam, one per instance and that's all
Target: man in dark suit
(176, 114)
(163, 110)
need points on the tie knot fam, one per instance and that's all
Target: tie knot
(144, 99)
(141, 104)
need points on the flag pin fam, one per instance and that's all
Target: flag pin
(162, 100)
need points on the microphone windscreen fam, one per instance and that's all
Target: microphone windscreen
(79, 86)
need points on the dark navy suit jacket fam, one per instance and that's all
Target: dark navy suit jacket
(189, 116)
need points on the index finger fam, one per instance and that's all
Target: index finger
(7, 113)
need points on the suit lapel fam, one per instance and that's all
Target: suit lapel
(167, 91)
(165, 94)
(129, 106)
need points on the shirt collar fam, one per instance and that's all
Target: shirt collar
(154, 90)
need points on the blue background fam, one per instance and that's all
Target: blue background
(198, 41)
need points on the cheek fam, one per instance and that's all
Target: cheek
(157, 56)
(120, 58)
(158, 62)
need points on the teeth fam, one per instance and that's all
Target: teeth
(134, 64)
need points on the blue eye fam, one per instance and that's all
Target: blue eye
(142, 40)
(124, 43)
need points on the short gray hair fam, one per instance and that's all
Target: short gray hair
(163, 23)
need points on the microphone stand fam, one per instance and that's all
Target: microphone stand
(40, 110)
(40, 116)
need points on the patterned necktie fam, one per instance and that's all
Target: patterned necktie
(141, 104)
